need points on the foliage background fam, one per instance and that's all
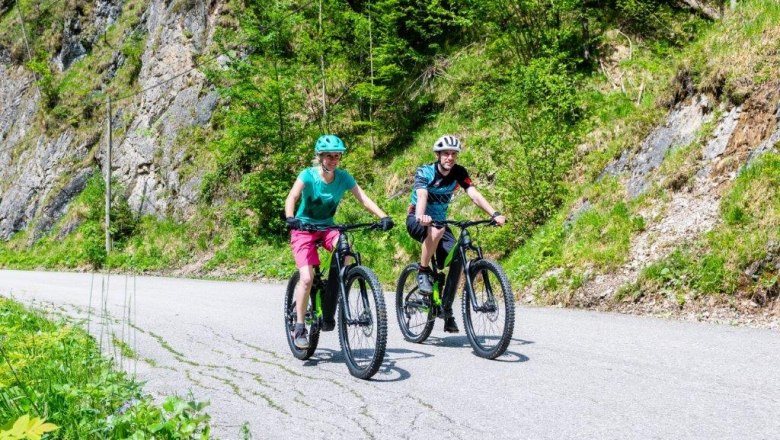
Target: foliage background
(544, 94)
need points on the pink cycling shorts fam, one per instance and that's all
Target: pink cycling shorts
(304, 247)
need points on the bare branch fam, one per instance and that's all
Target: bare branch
(702, 8)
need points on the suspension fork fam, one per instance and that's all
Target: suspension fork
(469, 286)
(343, 251)
(467, 272)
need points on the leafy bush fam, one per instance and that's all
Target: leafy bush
(534, 101)
(26, 428)
(46, 82)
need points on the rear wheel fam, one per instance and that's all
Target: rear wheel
(412, 308)
(363, 326)
(290, 318)
(490, 324)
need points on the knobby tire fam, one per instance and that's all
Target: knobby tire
(489, 332)
(290, 318)
(366, 302)
(413, 310)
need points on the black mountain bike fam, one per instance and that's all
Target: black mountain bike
(488, 301)
(362, 317)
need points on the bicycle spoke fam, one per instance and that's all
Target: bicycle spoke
(489, 318)
(363, 336)
(413, 310)
(290, 318)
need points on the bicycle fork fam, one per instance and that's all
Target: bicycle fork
(489, 305)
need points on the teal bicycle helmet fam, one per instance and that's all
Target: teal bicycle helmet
(329, 143)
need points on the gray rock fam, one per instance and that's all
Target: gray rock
(106, 13)
(576, 213)
(35, 174)
(716, 146)
(59, 202)
(5, 55)
(720, 137)
(149, 153)
(680, 129)
(72, 47)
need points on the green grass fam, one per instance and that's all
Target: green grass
(597, 240)
(740, 51)
(715, 264)
(54, 371)
(742, 47)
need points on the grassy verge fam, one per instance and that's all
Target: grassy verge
(54, 372)
(740, 256)
(728, 59)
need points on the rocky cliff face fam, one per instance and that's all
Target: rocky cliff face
(739, 135)
(41, 173)
(146, 162)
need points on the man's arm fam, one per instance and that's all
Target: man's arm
(422, 203)
(480, 201)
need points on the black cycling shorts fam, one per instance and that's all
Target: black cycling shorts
(419, 232)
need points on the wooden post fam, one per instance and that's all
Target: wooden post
(24, 31)
(322, 70)
(108, 180)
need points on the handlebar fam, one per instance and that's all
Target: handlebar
(463, 224)
(341, 228)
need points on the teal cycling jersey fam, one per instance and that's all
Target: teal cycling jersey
(319, 199)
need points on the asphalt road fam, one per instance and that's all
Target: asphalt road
(566, 374)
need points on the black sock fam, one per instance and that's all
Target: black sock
(424, 268)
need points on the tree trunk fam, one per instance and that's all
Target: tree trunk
(706, 10)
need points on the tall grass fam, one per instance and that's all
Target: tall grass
(55, 371)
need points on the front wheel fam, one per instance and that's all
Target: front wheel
(363, 324)
(413, 309)
(490, 319)
(290, 317)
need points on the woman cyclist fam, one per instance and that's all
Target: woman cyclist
(320, 189)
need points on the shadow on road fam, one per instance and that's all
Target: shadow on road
(463, 341)
(388, 372)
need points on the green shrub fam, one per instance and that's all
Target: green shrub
(55, 371)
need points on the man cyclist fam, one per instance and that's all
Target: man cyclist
(322, 187)
(434, 186)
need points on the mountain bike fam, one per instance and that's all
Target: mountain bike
(355, 289)
(487, 301)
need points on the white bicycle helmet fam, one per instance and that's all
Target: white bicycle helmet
(447, 143)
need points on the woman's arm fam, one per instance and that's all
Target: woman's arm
(366, 201)
(292, 198)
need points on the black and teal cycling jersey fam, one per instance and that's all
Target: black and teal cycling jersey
(440, 188)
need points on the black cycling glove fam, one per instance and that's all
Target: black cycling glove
(294, 223)
(386, 223)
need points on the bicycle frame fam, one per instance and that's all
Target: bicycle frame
(342, 250)
(462, 245)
